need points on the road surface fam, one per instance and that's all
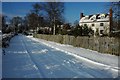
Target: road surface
(26, 58)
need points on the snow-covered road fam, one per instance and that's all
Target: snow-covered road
(27, 58)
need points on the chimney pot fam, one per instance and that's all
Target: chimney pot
(81, 15)
(110, 19)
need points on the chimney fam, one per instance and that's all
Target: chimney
(81, 15)
(110, 19)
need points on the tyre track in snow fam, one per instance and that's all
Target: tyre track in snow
(116, 69)
(68, 65)
(51, 59)
(16, 61)
(40, 71)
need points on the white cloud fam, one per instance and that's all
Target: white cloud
(12, 15)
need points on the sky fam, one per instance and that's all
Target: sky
(71, 13)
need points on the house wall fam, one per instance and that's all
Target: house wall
(96, 26)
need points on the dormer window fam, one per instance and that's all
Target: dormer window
(102, 16)
(86, 17)
(93, 18)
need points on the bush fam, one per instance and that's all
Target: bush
(77, 31)
(85, 30)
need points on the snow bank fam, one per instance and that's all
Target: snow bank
(94, 57)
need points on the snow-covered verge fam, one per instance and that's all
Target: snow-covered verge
(94, 57)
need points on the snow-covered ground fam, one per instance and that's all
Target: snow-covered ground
(37, 58)
(86, 54)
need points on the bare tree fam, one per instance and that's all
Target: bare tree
(3, 23)
(54, 11)
(0, 21)
(16, 21)
(116, 12)
(31, 19)
(37, 8)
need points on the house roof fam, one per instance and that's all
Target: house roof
(97, 17)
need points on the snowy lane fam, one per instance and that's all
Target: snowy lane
(17, 63)
(63, 61)
(47, 62)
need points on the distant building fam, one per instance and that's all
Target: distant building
(97, 22)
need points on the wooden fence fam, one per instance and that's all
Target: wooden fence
(101, 44)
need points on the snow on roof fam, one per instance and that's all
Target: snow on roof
(98, 17)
